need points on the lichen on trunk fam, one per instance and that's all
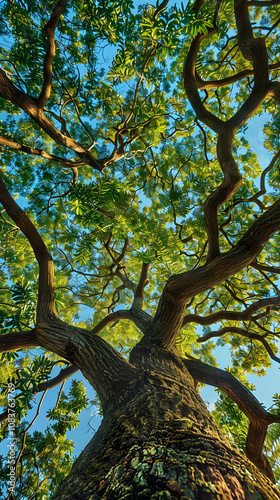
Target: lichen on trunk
(158, 441)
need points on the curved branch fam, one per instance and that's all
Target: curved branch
(232, 315)
(45, 302)
(103, 366)
(140, 318)
(180, 288)
(244, 333)
(259, 418)
(50, 53)
(111, 318)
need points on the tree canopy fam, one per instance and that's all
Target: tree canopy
(140, 189)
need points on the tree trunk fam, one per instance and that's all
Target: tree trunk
(158, 441)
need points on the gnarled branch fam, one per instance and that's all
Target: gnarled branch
(259, 418)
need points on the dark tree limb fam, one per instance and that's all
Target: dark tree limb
(263, 267)
(139, 292)
(245, 315)
(5, 141)
(28, 104)
(18, 340)
(50, 53)
(180, 288)
(259, 418)
(261, 3)
(244, 333)
(45, 302)
(103, 366)
(111, 318)
(254, 50)
(223, 82)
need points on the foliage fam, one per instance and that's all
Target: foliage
(117, 89)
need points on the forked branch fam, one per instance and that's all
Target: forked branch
(28, 104)
(180, 288)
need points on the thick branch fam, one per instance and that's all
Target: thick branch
(232, 315)
(180, 288)
(103, 366)
(259, 418)
(45, 302)
(18, 340)
(50, 53)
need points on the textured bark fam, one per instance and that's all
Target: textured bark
(157, 441)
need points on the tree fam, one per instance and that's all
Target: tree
(140, 197)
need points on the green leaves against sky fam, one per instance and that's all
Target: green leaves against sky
(117, 90)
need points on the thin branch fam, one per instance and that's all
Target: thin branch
(40, 152)
(261, 3)
(111, 318)
(24, 439)
(63, 375)
(223, 82)
(28, 104)
(232, 315)
(244, 333)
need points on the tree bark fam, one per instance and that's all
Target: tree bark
(158, 441)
